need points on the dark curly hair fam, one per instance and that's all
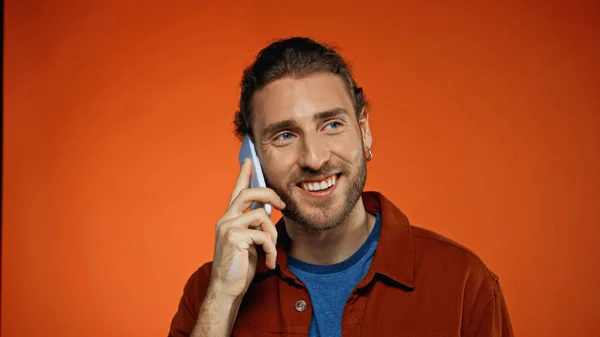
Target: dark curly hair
(294, 57)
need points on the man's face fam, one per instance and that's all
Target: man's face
(311, 147)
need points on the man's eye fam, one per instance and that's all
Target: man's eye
(285, 136)
(333, 125)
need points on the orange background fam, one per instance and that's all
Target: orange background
(119, 155)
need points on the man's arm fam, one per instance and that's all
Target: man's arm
(201, 311)
(213, 294)
(216, 317)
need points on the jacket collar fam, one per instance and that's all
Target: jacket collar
(394, 257)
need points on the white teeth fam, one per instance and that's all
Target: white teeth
(320, 185)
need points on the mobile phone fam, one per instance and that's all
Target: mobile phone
(258, 179)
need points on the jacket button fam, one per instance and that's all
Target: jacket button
(300, 306)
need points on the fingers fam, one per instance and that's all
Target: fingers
(251, 220)
(246, 196)
(239, 228)
(245, 224)
(256, 218)
(244, 238)
(243, 180)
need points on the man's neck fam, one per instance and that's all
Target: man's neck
(334, 245)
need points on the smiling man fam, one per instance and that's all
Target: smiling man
(341, 261)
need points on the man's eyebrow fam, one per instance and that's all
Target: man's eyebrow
(290, 123)
(274, 127)
(331, 113)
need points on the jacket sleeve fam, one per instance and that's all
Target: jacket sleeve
(194, 292)
(495, 320)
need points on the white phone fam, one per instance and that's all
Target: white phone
(257, 179)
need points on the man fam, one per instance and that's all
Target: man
(341, 262)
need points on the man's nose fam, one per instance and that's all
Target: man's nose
(314, 154)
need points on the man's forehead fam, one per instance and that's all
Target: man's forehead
(299, 98)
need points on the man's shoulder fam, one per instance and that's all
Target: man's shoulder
(436, 249)
(433, 256)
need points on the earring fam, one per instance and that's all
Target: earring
(369, 155)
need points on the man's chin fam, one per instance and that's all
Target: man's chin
(315, 217)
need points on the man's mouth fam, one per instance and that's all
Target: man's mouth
(319, 185)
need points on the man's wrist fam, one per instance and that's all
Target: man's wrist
(217, 292)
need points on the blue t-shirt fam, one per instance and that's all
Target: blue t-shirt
(329, 286)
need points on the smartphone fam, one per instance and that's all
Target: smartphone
(258, 179)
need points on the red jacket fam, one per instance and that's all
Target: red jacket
(419, 284)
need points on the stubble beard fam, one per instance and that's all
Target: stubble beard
(320, 215)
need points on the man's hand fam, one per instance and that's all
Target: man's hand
(234, 262)
(235, 257)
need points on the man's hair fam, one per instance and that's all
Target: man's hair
(294, 57)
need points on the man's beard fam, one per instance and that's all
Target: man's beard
(323, 215)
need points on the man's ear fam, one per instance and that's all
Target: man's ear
(363, 123)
